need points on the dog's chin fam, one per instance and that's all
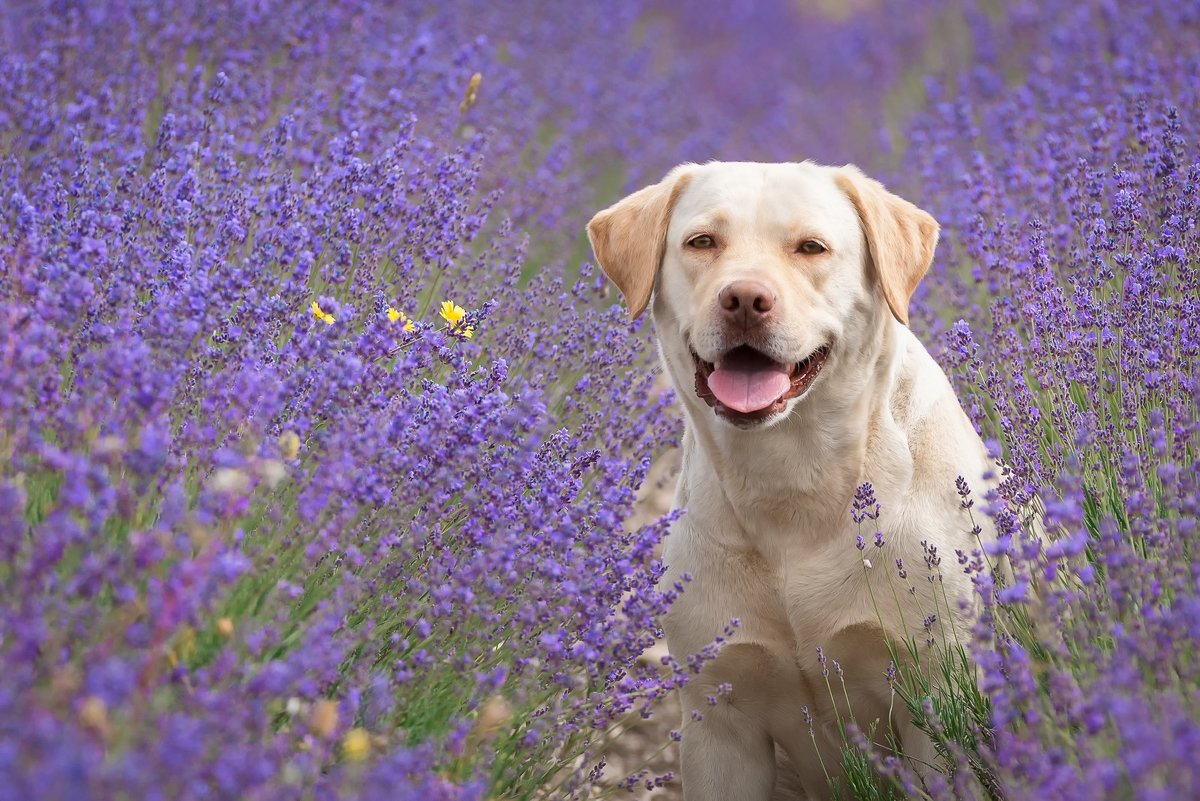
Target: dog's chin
(801, 376)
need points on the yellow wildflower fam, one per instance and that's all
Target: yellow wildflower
(399, 316)
(289, 445)
(453, 314)
(225, 627)
(323, 316)
(356, 745)
(471, 93)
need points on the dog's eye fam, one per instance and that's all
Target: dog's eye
(811, 247)
(703, 242)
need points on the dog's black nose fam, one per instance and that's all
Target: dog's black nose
(746, 303)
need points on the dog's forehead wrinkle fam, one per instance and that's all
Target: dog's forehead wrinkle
(773, 201)
(706, 221)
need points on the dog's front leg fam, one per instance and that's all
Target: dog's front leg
(727, 752)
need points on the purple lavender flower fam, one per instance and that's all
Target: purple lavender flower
(252, 523)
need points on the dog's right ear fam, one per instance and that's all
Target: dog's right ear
(630, 237)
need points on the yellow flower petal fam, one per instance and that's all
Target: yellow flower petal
(406, 324)
(321, 314)
(356, 745)
(289, 445)
(451, 312)
(471, 93)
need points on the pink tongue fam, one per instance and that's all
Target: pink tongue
(748, 390)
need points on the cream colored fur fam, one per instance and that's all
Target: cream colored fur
(767, 536)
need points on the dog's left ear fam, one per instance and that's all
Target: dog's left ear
(630, 237)
(900, 236)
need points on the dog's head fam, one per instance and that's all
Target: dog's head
(765, 277)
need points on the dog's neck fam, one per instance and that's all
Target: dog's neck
(815, 458)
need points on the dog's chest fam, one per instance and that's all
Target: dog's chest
(824, 588)
(821, 581)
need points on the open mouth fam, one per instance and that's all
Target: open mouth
(747, 385)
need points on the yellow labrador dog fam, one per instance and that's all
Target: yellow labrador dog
(780, 296)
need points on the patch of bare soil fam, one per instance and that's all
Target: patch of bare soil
(646, 745)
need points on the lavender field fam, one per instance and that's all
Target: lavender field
(320, 434)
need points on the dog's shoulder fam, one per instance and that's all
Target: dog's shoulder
(942, 441)
(919, 386)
